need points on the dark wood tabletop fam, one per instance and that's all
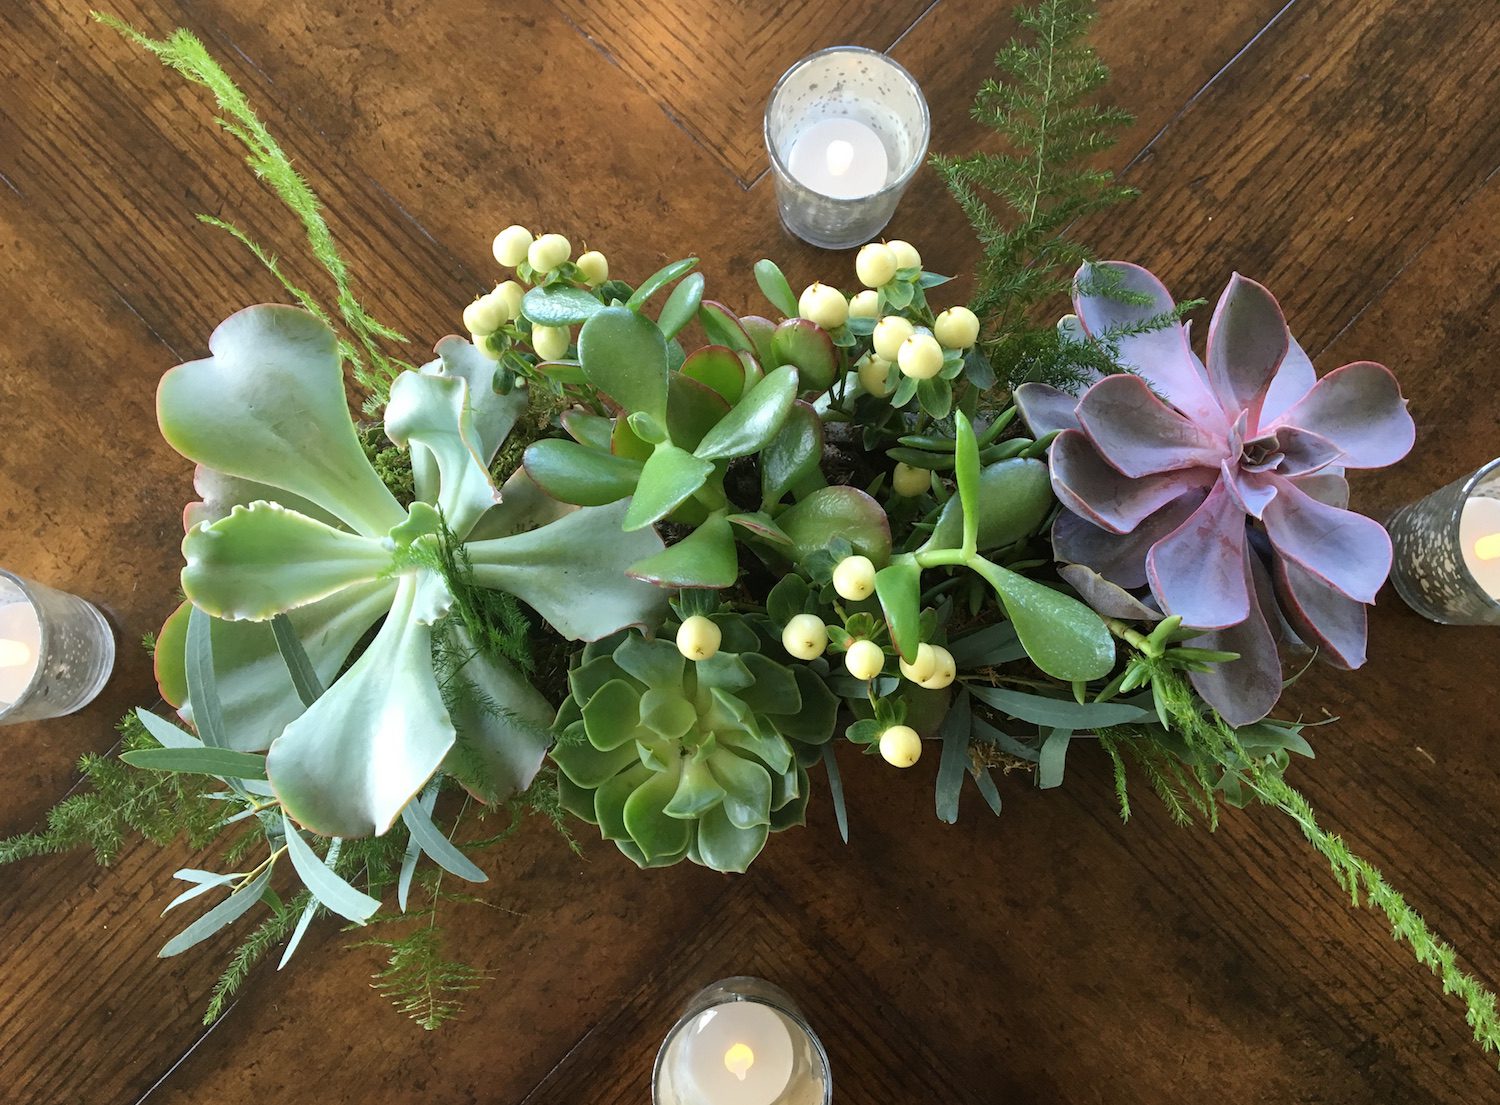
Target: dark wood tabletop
(1344, 152)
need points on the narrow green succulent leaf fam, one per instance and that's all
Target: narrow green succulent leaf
(659, 280)
(966, 474)
(442, 850)
(1062, 636)
(792, 455)
(657, 833)
(669, 478)
(774, 286)
(646, 429)
(755, 419)
(681, 306)
(1059, 713)
(836, 789)
(761, 525)
(704, 558)
(165, 733)
(203, 688)
(718, 367)
(580, 474)
(724, 846)
(298, 666)
(832, 512)
(264, 560)
(559, 305)
(899, 588)
(624, 355)
(269, 406)
(223, 762)
(230, 910)
(324, 883)
(955, 730)
(593, 430)
(722, 326)
(1052, 758)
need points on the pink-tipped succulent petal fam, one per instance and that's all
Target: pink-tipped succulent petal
(1328, 486)
(1243, 690)
(1322, 616)
(1107, 598)
(1197, 571)
(1119, 558)
(1251, 491)
(1139, 435)
(1090, 487)
(1160, 356)
(1348, 551)
(1046, 408)
(1303, 452)
(1359, 409)
(1294, 379)
(1247, 341)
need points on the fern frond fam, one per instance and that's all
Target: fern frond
(420, 981)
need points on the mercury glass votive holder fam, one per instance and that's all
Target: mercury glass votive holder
(846, 129)
(741, 1041)
(1441, 568)
(56, 651)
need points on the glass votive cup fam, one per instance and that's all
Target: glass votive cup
(868, 121)
(56, 651)
(708, 1057)
(1438, 541)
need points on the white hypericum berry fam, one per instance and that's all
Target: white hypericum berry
(854, 578)
(698, 638)
(509, 296)
(907, 256)
(909, 480)
(920, 357)
(593, 266)
(482, 343)
(900, 746)
(956, 328)
(823, 306)
(511, 245)
(485, 315)
(875, 265)
(889, 333)
(923, 665)
(550, 342)
(874, 375)
(865, 304)
(548, 251)
(864, 659)
(805, 636)
(944, 673)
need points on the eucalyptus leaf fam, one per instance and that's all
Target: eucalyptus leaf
(954, 733)
(166, 734)
(1052, 758)
(1059, 713)
(222, 762)
(323, 882)
(442, 850)
(298, 666)
(230, 910)
(836, 790)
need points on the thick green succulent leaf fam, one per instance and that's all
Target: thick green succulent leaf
(747, 789)
(269, 406)
(718, 367)
(774, 286)
(610, 799)
(774, 690)
(697, 791)
(723, 326)
(831, 512)
(793, 454)
(572, 572)
(791, 811)
(264, 559)
(656, 833)
(755, 419)
(506, 745)
(899, 587)
(657, 663)
(577, 800)
(704, 558)
(659, 280)
(588, 766)
(761, 525)
(612, 716)
(693, 409)
(807, 345)
(769, 748)
(814, 720)
(723, 846)
(666, 713)
(1062, 636)
(966, 475)
(669, 478)
(625, 356)
(681, 306)
(493, 414)
(580, 474)
(431, 414)
(354, 759)
(559, 305)
(593, 430)
(1015, 499)
(761, 331)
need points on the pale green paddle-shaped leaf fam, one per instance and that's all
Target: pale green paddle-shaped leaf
(493, 414)
(323, 882)
(506, 743)
(774, 286)
(431, 414)
(1062, 636)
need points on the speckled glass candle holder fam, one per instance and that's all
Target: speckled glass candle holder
(885, 128)
(1431, 571)
(56, 651)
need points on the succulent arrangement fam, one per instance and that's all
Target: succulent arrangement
(686, 550)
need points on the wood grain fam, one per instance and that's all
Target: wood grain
(1343, 152)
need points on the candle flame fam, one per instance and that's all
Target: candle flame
(840, 156)
(1488, 548)
(14, 653)
(739, 1059)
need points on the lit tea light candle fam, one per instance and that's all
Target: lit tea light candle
(20, 649)
(1479, 537)
(1447, 551)
(841, 158)
(56, 651)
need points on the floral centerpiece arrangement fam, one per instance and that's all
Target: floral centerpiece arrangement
(627, 554)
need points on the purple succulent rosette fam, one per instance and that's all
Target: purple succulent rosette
(1220, 486)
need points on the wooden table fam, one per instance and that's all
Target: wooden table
(1342, 151)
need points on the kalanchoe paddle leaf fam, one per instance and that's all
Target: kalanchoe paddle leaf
(832, 512)
(430, 415)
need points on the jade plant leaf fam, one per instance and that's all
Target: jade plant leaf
(755, 419)
(795, 452)
(807, 345)
(718, 367)
(704, 558)
(774, 287)
(723, 326)
(593, 430)
(578, 474)
(1062, 636)
(670, 476)
(681, 306)
(761, 330)
(281, 359)
(693, 409)
(559, 305)
(1015, 499)
(659, 280)
(899, 587)
(624, 355)
(831, 512)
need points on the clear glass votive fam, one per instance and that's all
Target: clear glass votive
(741, 1041)
(1447, 551)
(56, 651)
(846, 129)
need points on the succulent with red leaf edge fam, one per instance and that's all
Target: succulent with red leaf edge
(1220, 485)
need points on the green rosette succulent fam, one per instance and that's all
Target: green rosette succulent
(701, 760)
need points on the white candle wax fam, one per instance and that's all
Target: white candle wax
(840, 158)
(20, 649)
(1479, 539)
(739, 1053)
